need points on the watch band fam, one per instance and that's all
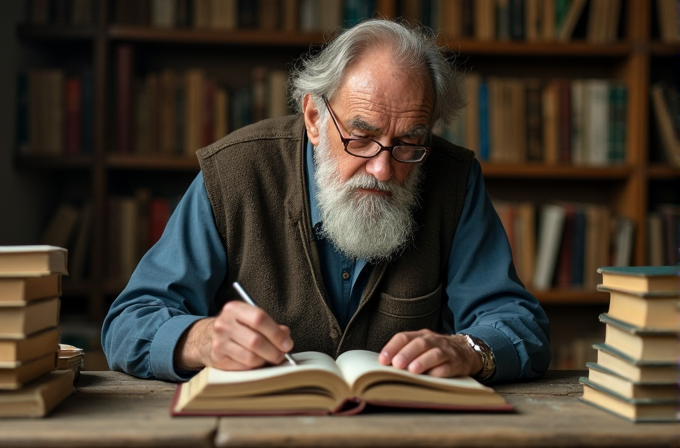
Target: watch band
(488, 360)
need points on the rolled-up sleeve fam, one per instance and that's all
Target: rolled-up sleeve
(486, 297)
(171, 288)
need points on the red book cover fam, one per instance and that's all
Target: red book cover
(159, 213)
(565, 121)
(124, 86)
(73, 87)
(319, 385)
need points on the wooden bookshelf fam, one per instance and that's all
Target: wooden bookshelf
(629, 59)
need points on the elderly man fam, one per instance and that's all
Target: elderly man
(350, 224)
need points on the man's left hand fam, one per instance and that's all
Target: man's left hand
(425, 351)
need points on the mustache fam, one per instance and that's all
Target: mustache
(368, 182)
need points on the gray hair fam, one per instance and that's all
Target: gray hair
(412, 47)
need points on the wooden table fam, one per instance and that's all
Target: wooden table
(114, 409)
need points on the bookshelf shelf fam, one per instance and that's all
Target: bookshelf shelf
(663, 172)
(253, 38)
(549, 50)
(54, 162)
(664, 49)
(540, 171)
(161, 163)
(571, 297)
(54, 32)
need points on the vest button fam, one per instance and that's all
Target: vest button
(345, 275)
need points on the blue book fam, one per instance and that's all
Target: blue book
(578, 247)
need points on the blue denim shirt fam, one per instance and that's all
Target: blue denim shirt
(183, 271)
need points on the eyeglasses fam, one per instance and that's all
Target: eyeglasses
(367, 148)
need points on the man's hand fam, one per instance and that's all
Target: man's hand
(435, 354)
(241, 337)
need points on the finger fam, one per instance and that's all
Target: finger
(253, 329)
(410, 352)
(257, 319)
(394, 346)
(232, 356)
(226, 358)
(428, 360)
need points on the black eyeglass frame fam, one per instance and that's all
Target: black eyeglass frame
(346, 141)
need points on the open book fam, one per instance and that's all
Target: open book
(320, 385)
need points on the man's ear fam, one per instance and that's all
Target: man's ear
(311, 114)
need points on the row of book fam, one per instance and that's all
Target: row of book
(556, 121)
(72, 13)
(55, 111)
(175, 113)
(36, 372)
(227, 15)
(668, 18)
(666, 112)
(636, 373)
(663, 235)
(597, 21)
(135, 223)
(530, 20)
(561, 244)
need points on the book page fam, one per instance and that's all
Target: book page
(314, 369)
(361, 369)
(314, 381)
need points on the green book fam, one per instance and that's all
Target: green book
(641, 278)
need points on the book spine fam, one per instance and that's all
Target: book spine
(87, 112)
(124, 56)
(73, 115)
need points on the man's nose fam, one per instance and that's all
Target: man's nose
(380, 166)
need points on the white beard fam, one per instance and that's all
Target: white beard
(360, 224)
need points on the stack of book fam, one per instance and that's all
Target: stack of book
(636, 374)
(30, 288)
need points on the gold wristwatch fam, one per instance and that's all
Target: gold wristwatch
(488, 360)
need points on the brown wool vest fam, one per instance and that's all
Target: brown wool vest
(255, 179)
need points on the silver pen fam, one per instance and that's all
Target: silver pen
(244, 295)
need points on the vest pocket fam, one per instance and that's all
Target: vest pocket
(411, 308)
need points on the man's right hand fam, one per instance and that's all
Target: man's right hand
(241, 337)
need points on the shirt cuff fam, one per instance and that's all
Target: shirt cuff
(504, 353)
(162, 351)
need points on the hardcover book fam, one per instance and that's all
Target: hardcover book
(17, 290)
(18, 321)
(13, 352)
(630, 389)
(12, 378)
(653, 311)
(16, 261)
(641, 278)
(39, 397)
(636, 410)
(634, 369)
(320, 385)
(639, 343)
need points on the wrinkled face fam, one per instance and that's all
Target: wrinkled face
(367, 204)
(382, 102)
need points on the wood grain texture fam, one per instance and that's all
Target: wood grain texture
(113, 409)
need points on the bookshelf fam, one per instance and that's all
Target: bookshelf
(636, 57)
